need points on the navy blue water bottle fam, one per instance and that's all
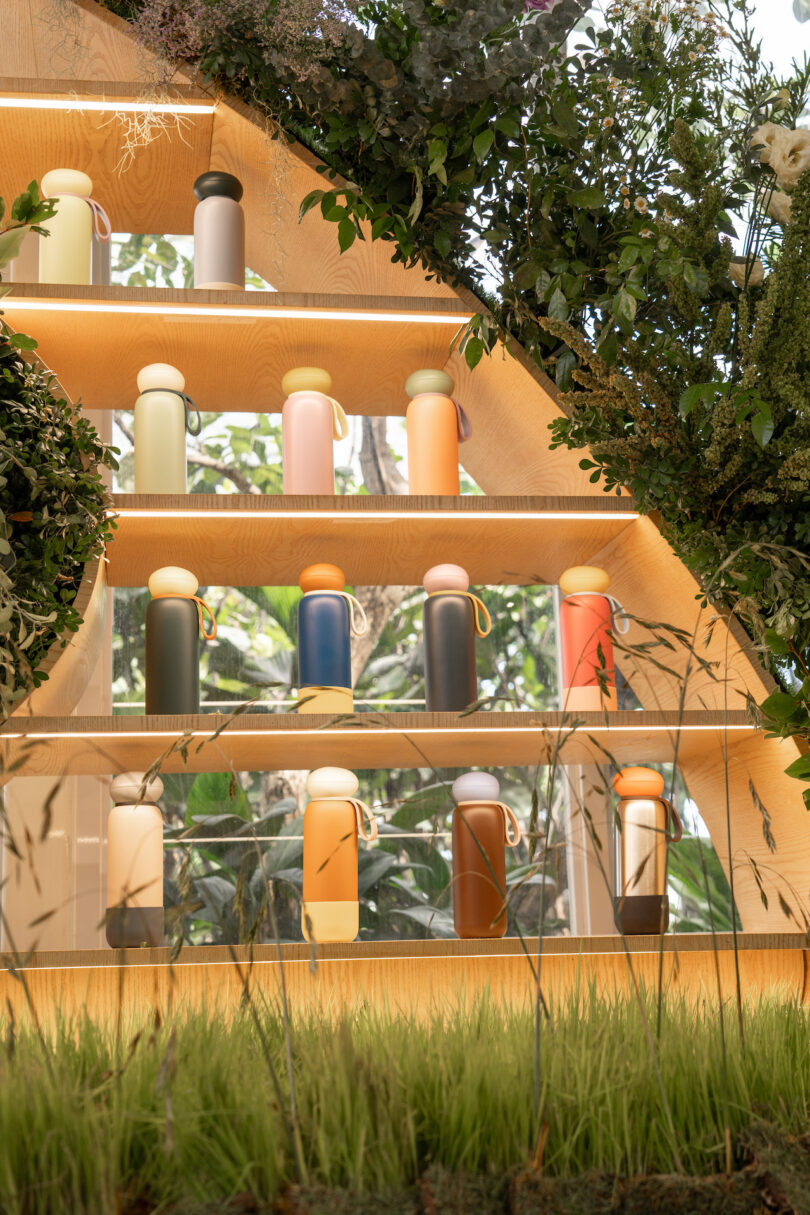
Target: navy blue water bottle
(328, 617)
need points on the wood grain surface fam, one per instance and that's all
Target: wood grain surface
(266, 742)
(420, 978)
(253, 540)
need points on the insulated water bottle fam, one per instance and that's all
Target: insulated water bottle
(219, 232)
(66, 254)
(452, 618)
(480, 834)
(311, 421)
(328, 617)
(436, 425)
(586, 625)
(173, 622)
(647, 823)
(134, 863)
(161, 421)
(332, 821)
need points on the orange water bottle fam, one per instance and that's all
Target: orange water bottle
(480, 834)
(586, 627)
(332, 822)
(436, 425)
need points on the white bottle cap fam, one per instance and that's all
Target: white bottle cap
(172, 580)
(332, 782)
(127, 787)
(66, 181)
(446, 578)
(476, 787)
(160, 375)
(429, 380)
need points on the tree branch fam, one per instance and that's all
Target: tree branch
(242, 483)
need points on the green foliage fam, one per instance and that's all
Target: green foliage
(188, 1113)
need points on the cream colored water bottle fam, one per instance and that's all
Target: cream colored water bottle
(161, 421)
(647, 824)
(65, 255)
(135, 863)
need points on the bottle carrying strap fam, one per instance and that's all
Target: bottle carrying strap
(340, 423)
(202, 607)
(509, 819)
(672, 815)
(463, 423)
(366, 822)
(620, 622)
(101, 220)
(187, 401)
(357, 616)
(480, 612)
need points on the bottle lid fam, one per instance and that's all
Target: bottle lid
(332, 782)
(429, 380)
(306, 379)
(215, 182)
(584, 578)
(322, 577)
(127, 787)
(161, 375)
(172, 580)
(66, 181)
(476, 787)
(445, 578)
(638, 782)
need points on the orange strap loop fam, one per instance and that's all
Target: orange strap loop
(509, 820)
(202, 607)
(480, 612)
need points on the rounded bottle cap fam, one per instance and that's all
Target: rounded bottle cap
(476, 787)
(216, 182)
(66, 181)
(638, 782)
(160, 375)
(429, 380)
(127, 788)
(172, 580)
(332, 782)
(306, 379)
(584, 578)
(445, 578)
(322, 577)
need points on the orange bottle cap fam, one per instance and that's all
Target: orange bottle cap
(446, 578)
(322, 577)
(584, 578)
(638, 782)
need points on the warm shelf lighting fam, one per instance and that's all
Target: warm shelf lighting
(365, 732)
(102, 107)
(237, 310)
(355, 516)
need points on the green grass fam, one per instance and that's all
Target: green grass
(188, 1110)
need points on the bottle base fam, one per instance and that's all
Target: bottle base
(325, 700)
(641, 915)
(323, 923)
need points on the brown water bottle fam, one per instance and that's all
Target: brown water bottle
(480, 834)
(452, 618)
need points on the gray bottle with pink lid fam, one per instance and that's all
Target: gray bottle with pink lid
(451, 619)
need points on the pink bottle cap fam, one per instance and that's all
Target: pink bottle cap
(476, 787)
(446, 578)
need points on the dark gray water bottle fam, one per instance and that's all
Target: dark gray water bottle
(173, 620)
(452, 617)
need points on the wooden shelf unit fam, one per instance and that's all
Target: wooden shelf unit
(259, 540)
(233, 347)
(267, 741)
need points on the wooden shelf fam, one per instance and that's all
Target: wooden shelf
(235, 346)
(258, 540)
(153, 195)
(265, 742)
(417, 978)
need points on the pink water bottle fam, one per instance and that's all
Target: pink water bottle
(311, 421)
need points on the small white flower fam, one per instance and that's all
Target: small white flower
(764, 138)
(790, 157)
(642, 206)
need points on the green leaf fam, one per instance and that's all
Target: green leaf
(762, 428)
(22, 341)
(565, 117)
(443, 242)
(309, 202)
(590, 198)
(780, 706)
(473, 352)
(800, 768)
(10, 243)
(624, 309)
(776, 644)
(482, 143)
(346, 234)
(695, 278)
(558, 306)
(629, 257)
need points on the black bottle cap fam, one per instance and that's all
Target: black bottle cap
(218, 183)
